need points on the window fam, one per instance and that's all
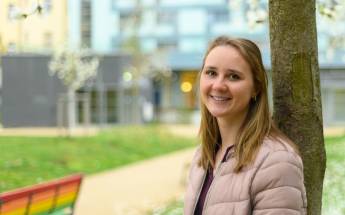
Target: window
(124, 20)
(116, 4)
(12, 12)
(188, 81)
(2, 48)
(85, 26)
(47, 39)
(47, 6)
(94, 106)
(113, 5)
(219, 16)
(170, 45)
(11, 47)
(193, 44)
(115, 44)
(165, 17)
(111, 96)
(339, 106)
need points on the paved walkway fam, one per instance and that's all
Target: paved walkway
(185, 130)
(140, 187)
(47, 131)
(137, 188)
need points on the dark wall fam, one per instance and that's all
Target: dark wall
(29, 93)
(110, 68)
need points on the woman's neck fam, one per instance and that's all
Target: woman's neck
(229, 129)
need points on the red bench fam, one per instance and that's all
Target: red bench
(54, 198)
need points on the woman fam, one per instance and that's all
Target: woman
(244, 165)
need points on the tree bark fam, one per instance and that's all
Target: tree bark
(296, 88)
(71, 110)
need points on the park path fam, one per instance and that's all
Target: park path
(139, 187)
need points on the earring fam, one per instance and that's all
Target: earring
(254, 98)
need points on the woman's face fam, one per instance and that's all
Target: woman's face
(226, 83)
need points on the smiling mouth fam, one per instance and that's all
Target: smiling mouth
(220, 98)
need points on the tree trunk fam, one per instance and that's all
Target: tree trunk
(71, 110)
(296, 88)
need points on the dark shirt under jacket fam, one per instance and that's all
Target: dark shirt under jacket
(206, 186)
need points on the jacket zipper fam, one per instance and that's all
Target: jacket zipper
(209, 190)
(214, 178)
(199, 192)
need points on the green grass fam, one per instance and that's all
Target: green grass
(29, 160)
(174, 208)
(334, 183)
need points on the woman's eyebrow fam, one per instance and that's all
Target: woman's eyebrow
(211, 67)
(233, 71)
(228, 70)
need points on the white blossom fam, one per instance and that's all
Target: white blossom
(74, 68)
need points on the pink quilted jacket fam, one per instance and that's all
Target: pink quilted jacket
(272, 185)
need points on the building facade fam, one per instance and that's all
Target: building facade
(42, 31)
(182, 28)
(33, 98)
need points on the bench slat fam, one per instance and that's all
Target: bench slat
(39, 187)
(45, 198)
(15, 205)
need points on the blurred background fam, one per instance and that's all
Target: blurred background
(88, 86)
(148, 55)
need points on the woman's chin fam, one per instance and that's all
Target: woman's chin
(218, 114)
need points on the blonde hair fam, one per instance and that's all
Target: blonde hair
(258, 123)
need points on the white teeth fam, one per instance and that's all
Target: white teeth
(220, 98)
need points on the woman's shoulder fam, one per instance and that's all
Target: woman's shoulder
(274, 144)
(278, 174)
(277, 150)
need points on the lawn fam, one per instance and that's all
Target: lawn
(29, 160)
(334, 183)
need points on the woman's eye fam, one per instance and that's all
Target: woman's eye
(210, 73)
(234, 77)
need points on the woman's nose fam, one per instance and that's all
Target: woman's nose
(219, 84)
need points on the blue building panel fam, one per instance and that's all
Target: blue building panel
(104, 26)
(74, 21)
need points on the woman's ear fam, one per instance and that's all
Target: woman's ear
(254, 94)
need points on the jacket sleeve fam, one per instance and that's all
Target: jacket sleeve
(278, 185)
